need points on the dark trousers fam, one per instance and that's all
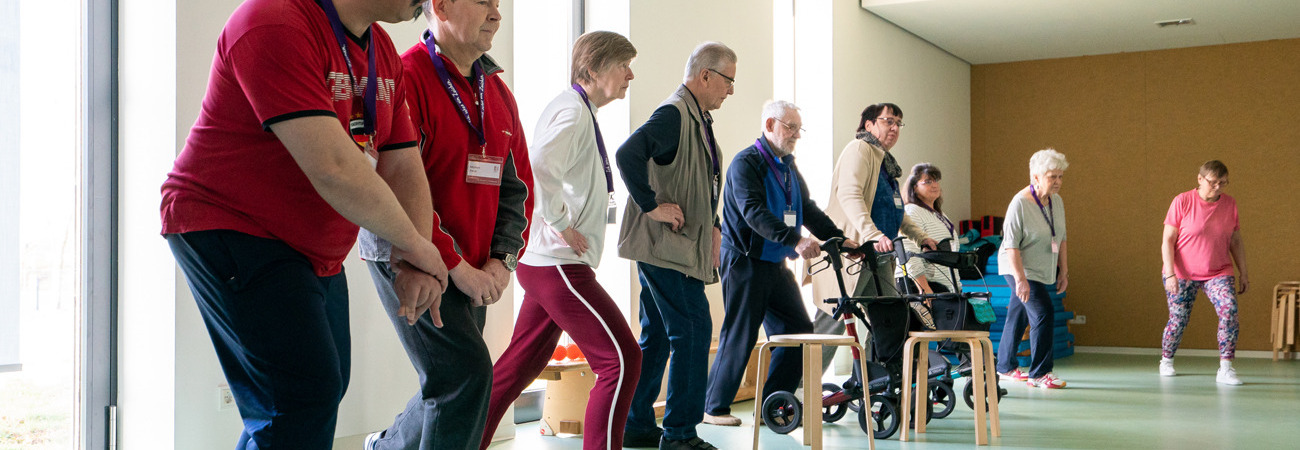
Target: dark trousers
(1038, 314)
(280, 333)
(674, 320)
(755, 293)
(450, 409)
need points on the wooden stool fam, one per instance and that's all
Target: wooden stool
(1282, 332)
(812, 382)
(983, 374)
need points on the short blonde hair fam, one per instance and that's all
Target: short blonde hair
(1047, 160)
(596, 51)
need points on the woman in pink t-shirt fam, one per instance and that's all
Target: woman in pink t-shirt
(1202, 239)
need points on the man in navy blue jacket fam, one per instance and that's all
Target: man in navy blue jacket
(765, 204)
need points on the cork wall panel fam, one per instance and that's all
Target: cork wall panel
(1135, 128)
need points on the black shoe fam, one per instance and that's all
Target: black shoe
(694, 443)
(642, 439)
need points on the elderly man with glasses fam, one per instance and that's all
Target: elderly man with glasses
(764, 206)
(671, 229)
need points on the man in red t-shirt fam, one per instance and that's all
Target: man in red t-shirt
(476, 163)
(304, 118)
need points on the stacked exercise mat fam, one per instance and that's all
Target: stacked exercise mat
(1062, 339)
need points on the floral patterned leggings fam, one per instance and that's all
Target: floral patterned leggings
(1222, 293)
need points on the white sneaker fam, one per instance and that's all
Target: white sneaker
(725, 420)
(371, 440)
(1167, 367)
(1228, 376)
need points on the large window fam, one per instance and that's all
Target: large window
(46, 376)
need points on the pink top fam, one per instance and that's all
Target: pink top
(1204, 235)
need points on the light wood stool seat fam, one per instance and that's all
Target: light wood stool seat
(812, 381)
(983, 374)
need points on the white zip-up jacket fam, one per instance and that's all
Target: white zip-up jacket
(569, 184)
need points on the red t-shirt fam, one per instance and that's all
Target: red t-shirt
(278, 60)
(466, 213)
(1204, 235)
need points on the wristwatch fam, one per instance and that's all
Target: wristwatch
(508, 259)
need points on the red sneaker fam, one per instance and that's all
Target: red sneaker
(1014, 375)
(1049, 381)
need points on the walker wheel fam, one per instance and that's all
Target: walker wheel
(782, 412)
(833, 413)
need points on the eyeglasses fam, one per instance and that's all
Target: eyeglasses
(730, 81)
(890, 121)
(1218, 183)
(792, 127)
(927, 182)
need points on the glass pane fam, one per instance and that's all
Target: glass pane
(39, 226)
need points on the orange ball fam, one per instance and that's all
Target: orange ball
(574, 353)
(560, 353)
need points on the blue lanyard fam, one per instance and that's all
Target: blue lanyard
(1048, 214)
(445, 77)
(372, 73)
(787, 185)
(600, 141)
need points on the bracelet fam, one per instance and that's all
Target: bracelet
(1166, 277)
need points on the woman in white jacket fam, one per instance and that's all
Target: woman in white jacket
(574, 189)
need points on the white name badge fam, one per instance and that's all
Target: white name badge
(790, 218)
(898, 201)
(483, 169)
(613, 210)
(1056, 247)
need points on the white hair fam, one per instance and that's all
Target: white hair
(1047, 160)
(708, 55)
(427, 9)
(776, 109)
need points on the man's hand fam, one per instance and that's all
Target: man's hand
(500, 276)
(670, 214)
(808, 248)
(425, 258)
(884, 245)
(576, 240)
(417, 291)
(717, 247)
(476, 284)
(930, 244)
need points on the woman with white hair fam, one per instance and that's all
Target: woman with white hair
(1032, 258)
(1202, 239)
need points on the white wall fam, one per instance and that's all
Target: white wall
(875, 61)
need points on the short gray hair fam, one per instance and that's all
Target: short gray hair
(776, 109)
(708, 55)
(1047, 160)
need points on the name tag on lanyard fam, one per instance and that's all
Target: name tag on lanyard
(898, 200)
(612, 216)
(484, 169)
(790, 218)
(1056, 247)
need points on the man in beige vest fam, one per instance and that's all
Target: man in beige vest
(672, 170)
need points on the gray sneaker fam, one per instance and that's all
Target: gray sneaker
(694, 443)
(725, 420)
(371, 440)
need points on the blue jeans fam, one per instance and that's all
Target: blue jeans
(674, 318)
(455, 369)
(280, 333)
(1038, 314)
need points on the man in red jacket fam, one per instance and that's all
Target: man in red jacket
(476, 164)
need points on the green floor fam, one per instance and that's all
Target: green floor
(1113, 401)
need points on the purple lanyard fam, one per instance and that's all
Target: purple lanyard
(445, 77)
(1051, 222)
(942, 218)
(372, 78)
(600, 141)
(713, 144)
(786, 183)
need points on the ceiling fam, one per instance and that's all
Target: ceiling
(994, 31)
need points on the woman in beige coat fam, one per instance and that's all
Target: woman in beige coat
(867, 203)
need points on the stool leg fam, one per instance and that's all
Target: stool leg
(904, 406)
(758, 387)
(922, 389)
(866, 396)
(812, 395)
(980, 392)
(991, 385)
